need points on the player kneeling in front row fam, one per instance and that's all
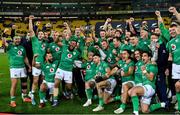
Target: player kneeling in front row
(105, 83)
(147, 90)
(89, 77)
(49, 69)
(17, 60)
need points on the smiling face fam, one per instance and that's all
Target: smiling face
(145, 58)
(125, 55)
(137, 55)
(40, 35)
(17, 40)
(102, 34)
(104, 45)
(96, 59)
(77, 31)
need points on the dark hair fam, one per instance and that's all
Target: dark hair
(149, 53)
(116, 38)
(128, 51)
(97, 54)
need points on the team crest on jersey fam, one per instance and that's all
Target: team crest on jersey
(51, 70)
(53, 65)
(74, 53)
(136, 68)
(19, 52)
(99, 73)
(173, 47)
(69, 55)
(109, 59)
(57, 49)
(88, 67)
(47, 66)
(43, 46)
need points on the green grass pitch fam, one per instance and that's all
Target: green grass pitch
(65, 107)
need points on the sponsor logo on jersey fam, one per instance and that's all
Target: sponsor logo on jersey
(43, 46)
(51, 70)
(47, 66)
(173, 47)
(57, 49)
(54, 65)
(19, 52)
(69, 55)
(88, 67)
(136, 68)
(109, 59)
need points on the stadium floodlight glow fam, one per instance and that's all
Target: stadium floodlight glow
(52, 3)
(11, 2)
(84, 3)
(12, 17)
(11, 13)
(73, 3)
(69, 17)
(114, 12)
(31, 3)
(50, 17)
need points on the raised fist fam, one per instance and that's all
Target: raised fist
(172, 10)
(158, 13)
(108, 20)
(31, 17)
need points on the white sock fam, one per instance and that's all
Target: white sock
(163, 104)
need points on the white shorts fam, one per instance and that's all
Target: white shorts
(139, 84)
(148, 93)
(91, 80)
(112, 86)
(64, 75)
(36, 71)
(175, 71)
(132, 82)
(50, 86)
(18, 73)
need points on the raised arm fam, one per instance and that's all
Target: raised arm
(175, 12)
(164, 30)
(31, 17)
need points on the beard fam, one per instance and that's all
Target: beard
(71, 48)
(50, 60)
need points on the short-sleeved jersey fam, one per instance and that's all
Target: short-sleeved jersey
(67, 58)
(138, 72)
(16, 55)
(174, 48)
(101, 69)
(39, 47)
(90, 70)
(150, 68)
(49, 70)
(55, 50)
(110, 57)
(125, 67)
(144, 44)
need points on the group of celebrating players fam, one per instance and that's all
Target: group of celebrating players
(132, 59)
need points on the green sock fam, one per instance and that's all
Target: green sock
(117, 98)
(24, 95)
(178, 99)
(13, 98)
(55, 98)
(89, 93)
(135, 101)
(42, 95)
(123, 106)
(101, 101)
(154, 107)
